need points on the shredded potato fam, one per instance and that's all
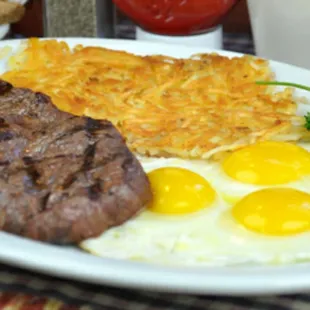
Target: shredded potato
(191, 108)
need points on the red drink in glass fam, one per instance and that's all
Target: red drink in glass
(176, 17)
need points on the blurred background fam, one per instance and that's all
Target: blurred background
(237, 29)
(32, 22)
(279, 29)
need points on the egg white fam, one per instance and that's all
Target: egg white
(209, 237)
(226, 187)
(232, 190)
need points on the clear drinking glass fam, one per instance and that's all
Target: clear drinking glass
(281, 30)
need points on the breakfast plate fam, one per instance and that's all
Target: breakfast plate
(71, 262)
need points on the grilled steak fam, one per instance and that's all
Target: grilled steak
(63, 178)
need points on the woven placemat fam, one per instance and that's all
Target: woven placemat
(67, 294)
(18, 301)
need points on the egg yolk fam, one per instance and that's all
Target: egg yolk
(179, 191)
(274, 211)
(268, 163)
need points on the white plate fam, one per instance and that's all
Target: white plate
(72, 263)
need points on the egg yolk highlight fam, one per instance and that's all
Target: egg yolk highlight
(268, 163)
(179, 191)
(274, 211)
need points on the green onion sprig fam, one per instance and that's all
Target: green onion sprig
(287, 84)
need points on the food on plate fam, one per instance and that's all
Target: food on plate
(163, 106)
(222, 168)
(307, 118)
(203, 215)
(290, 84)
(63, 178)
(277, 211)
(268, 163)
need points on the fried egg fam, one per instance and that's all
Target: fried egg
(191, 221)
(262, 165)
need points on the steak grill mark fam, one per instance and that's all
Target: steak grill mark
(54, 180)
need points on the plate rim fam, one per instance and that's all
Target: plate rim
(220, 281)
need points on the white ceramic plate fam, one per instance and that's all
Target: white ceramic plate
(72, 263)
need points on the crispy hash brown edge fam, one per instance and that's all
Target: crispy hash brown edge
(191, 108)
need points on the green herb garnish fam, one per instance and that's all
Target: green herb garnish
(288, 84)
(307, 118)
